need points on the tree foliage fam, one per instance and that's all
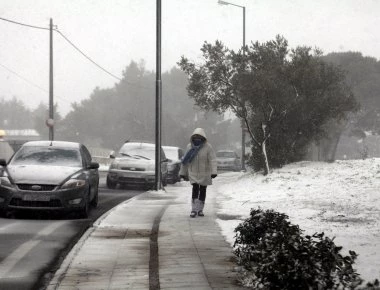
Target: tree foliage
(363, 76)
(283, 96)
(127, 111)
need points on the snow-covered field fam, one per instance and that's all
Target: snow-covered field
(341, 199)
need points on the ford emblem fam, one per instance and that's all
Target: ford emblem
(36, 187)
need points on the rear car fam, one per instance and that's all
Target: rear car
(135, 164)
(49, 176)
(174, 155)
(228, 160)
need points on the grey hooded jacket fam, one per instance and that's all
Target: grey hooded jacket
(199, 170)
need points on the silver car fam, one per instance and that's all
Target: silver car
(134, 165)
(228, 160)
(49, 176)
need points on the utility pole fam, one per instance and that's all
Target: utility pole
(243, 125)
(158, 98)
(50, 121)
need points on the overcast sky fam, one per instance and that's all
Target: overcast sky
(115, 32)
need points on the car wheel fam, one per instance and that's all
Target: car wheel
(94, 201)
(84, 211)
(111, 184)
(164, 180)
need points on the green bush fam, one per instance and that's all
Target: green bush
(275, 255)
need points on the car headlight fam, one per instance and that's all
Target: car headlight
(5, 182)
(73, 183)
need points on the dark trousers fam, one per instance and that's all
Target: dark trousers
(199, 192)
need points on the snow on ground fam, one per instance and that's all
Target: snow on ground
(341, 199)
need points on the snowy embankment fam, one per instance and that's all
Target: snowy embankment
(341, 199)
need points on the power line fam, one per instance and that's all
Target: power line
(23, 24)
(29, 82)
(73, 45)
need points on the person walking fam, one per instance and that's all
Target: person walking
(199, 167)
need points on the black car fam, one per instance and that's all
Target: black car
(49, 175)
(174, 155)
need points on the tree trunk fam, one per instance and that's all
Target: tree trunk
(266, 163)
(264, 149)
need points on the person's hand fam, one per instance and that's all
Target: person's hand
(214, 175)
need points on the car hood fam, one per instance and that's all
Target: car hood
(135, 162)
(40, 174)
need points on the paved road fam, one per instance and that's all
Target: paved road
(32, 246)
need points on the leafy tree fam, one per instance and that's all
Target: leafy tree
(14, 114)
(363, 76)
(127, 111)
(283, 97)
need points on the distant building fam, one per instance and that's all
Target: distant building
(14, 139)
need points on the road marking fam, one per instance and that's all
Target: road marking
(18, 254)
(9, 225)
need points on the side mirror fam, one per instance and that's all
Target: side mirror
(112, 154)
(94, 165)
(3, 162)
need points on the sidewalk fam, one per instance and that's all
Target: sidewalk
(150, 242)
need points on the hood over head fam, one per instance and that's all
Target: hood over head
(199, 131)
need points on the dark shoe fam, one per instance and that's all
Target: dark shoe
(193, 214)
(200, 213)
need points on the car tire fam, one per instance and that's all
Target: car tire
(84, 211)
(111, 184)
(164, 180)
(94, 201)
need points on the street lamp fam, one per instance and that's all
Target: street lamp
(242, 124)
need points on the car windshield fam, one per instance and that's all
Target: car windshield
(171, 153)
(138, 151)
(41, 155)
(225, 154)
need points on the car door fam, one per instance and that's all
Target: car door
(93, 174)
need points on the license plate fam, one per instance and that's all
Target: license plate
(36, 197)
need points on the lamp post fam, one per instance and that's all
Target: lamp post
(242, 123)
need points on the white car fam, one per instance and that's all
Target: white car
(134, 165)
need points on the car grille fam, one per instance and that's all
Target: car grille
(36, 187)
(132, 180)
(132, 169)
(33, 203)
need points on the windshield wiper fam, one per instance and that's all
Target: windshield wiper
(125, 154)
(142, 157)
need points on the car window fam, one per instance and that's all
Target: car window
(86, 155)
(225, 154)
(40, 155)
(138, 150)
(172, 153)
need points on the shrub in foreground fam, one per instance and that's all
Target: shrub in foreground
(275, 255)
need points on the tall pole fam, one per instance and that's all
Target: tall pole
(51, 101)
(243, 125)
(158, 98)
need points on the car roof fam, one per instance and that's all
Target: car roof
(65, 144)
